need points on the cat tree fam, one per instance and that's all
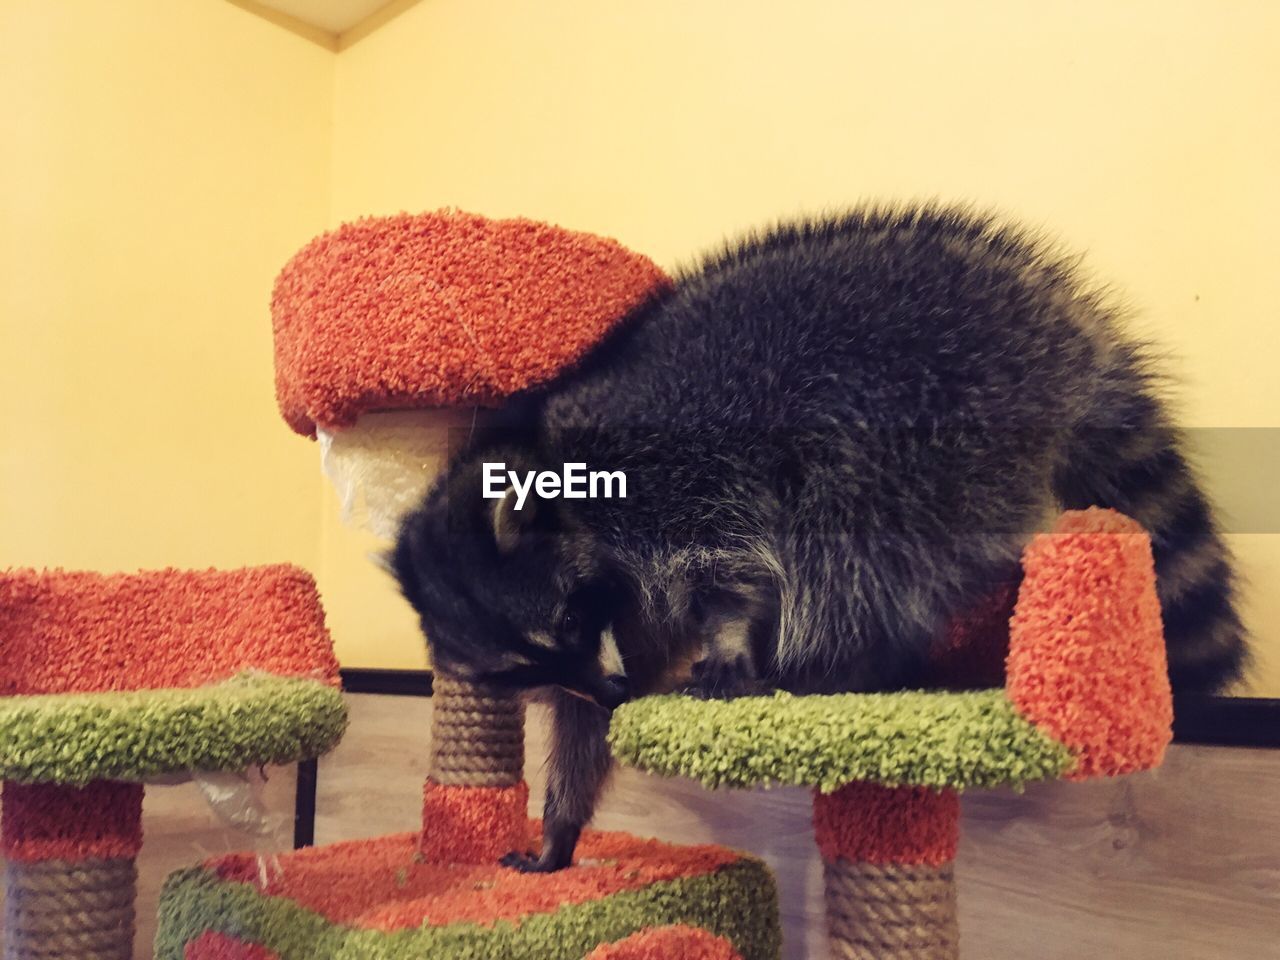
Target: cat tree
(108, 681)
(447, 311)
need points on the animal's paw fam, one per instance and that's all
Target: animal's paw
(528, 862)
(723, 679)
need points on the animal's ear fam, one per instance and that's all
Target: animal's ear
(510, 524)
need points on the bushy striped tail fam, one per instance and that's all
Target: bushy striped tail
(1140, 470)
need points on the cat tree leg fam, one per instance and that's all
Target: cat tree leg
(70, 878)
(475, 807)
(887, 864)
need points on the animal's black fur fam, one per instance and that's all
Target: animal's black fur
(836, 435)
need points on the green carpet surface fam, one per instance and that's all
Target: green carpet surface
(934, 739)
(248, 720)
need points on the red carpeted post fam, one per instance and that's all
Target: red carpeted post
(887, 854)
(70, 878)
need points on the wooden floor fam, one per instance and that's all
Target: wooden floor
(1179, 864)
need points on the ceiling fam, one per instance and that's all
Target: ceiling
(332, 16)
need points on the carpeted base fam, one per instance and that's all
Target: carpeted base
(378, 899)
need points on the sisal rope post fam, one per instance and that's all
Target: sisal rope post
(477, 735)
(76, 910)
(891, 912)
(475, 803)
(887, 867)
(70, 876)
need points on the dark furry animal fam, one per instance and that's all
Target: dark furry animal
(835, 435)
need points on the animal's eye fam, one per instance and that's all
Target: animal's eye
(569, 622)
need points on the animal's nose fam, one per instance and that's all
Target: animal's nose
(615, 691)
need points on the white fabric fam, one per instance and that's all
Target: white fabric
(381, 466)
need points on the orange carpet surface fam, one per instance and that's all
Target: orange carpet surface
(441, 309)
(81, 632)
(676, 942)
(383, 884)
(217, 946)
(1086, 652)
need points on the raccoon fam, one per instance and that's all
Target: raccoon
(836, 434)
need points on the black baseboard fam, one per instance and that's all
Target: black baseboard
(1212, 721)
(1226, 721)
(396, 683)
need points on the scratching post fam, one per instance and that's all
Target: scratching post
(73, 909)
(891, 912)
(477, 735)
(70, 881)
(887, 857)
(475, 802)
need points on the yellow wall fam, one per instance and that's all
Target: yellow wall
(158, 162)
(1142, 132)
